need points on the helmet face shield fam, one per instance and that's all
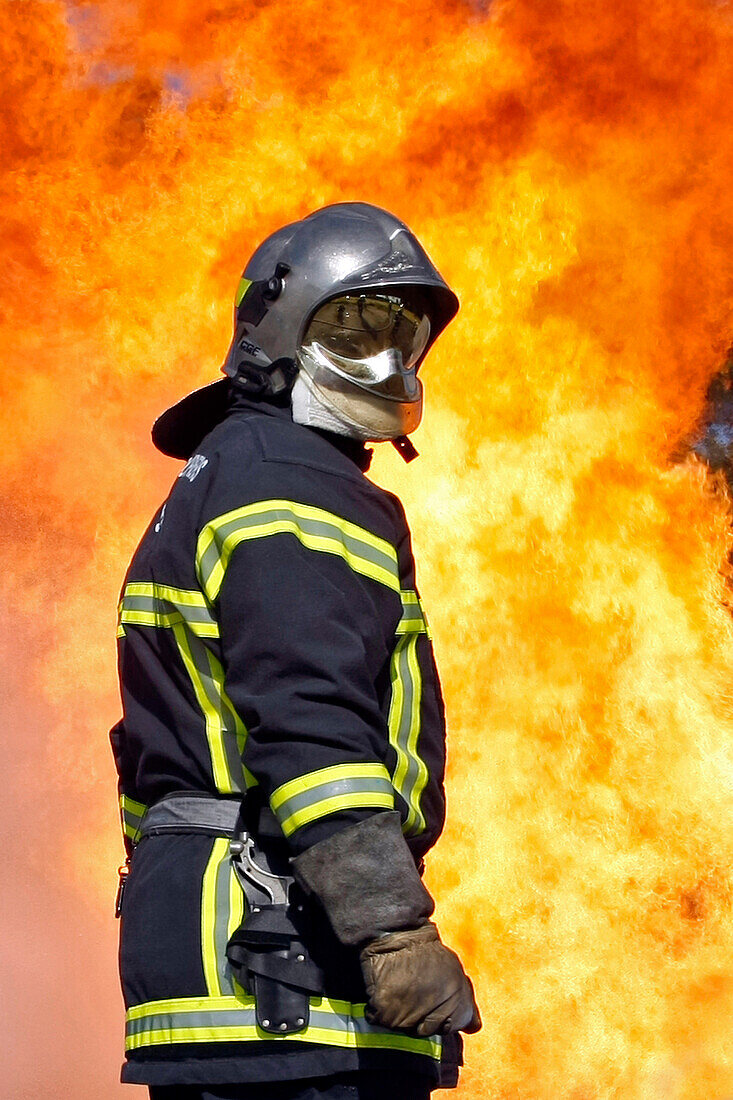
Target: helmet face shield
(360, 352)
(372, 340)
(381, 374)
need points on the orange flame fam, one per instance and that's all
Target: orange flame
(568, 167)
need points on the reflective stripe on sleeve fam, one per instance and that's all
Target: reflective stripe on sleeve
(413, 619)
(411, 774)
(329, 790)
(232, 1019)
(314, 528)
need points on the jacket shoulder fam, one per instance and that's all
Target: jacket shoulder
(256, 457)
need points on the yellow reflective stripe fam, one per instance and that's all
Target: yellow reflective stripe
(410, 774)
(251, 1032)
(131, 813)
(229, 912)
(222, 911)
(211, 717)
(232, 1018)
(231, 731)
(237, 906)
(415, 820)
(219, 714)
(315, 529)
(413, 619)
(356, 801)
(210, 915)
(396, 708)
(242, 288)
(164, 621)
(188, 597)
(236, 903)
(131, 804)
(329, 790)
(307, 782)
(147, 603)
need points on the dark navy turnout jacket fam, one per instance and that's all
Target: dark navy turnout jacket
(272, 647)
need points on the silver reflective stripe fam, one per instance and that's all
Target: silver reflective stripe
(335, 790)
(221, 928)
(222, 909)
(225, 730)
(194, 616)
(315, 528)
(146, 603)
(238, 1017)
(330, 796)
(245, 1017)
(227, 1018)
(133, 813)
(411, 774)
(413, 617)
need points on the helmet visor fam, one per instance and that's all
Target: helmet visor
(372, 340)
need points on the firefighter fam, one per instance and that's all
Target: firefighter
(281, 751)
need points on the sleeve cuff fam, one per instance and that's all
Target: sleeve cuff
(333, 790)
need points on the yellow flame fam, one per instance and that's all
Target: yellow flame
(568, 167)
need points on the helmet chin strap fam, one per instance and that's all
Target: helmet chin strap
(310, 410)
(405, 447)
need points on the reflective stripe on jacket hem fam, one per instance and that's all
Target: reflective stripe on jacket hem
(232, 1019)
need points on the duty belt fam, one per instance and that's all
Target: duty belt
(267, 952)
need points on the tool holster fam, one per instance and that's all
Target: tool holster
(271, 962)
(267, 952)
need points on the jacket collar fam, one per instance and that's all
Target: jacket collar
(352, 449)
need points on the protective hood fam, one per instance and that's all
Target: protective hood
(180, 429)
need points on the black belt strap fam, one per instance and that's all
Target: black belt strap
(192, 813)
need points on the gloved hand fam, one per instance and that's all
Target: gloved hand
(367, 882)
(414, 981)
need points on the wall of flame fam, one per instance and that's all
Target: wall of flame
(568, 165)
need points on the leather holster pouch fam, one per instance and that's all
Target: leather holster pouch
(272, 963)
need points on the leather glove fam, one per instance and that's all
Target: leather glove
(367, 883)
(414, 981)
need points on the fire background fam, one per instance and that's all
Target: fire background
(568, 166)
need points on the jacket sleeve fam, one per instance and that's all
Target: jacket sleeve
(304, 650)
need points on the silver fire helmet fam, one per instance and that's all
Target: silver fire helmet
(351, 251)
